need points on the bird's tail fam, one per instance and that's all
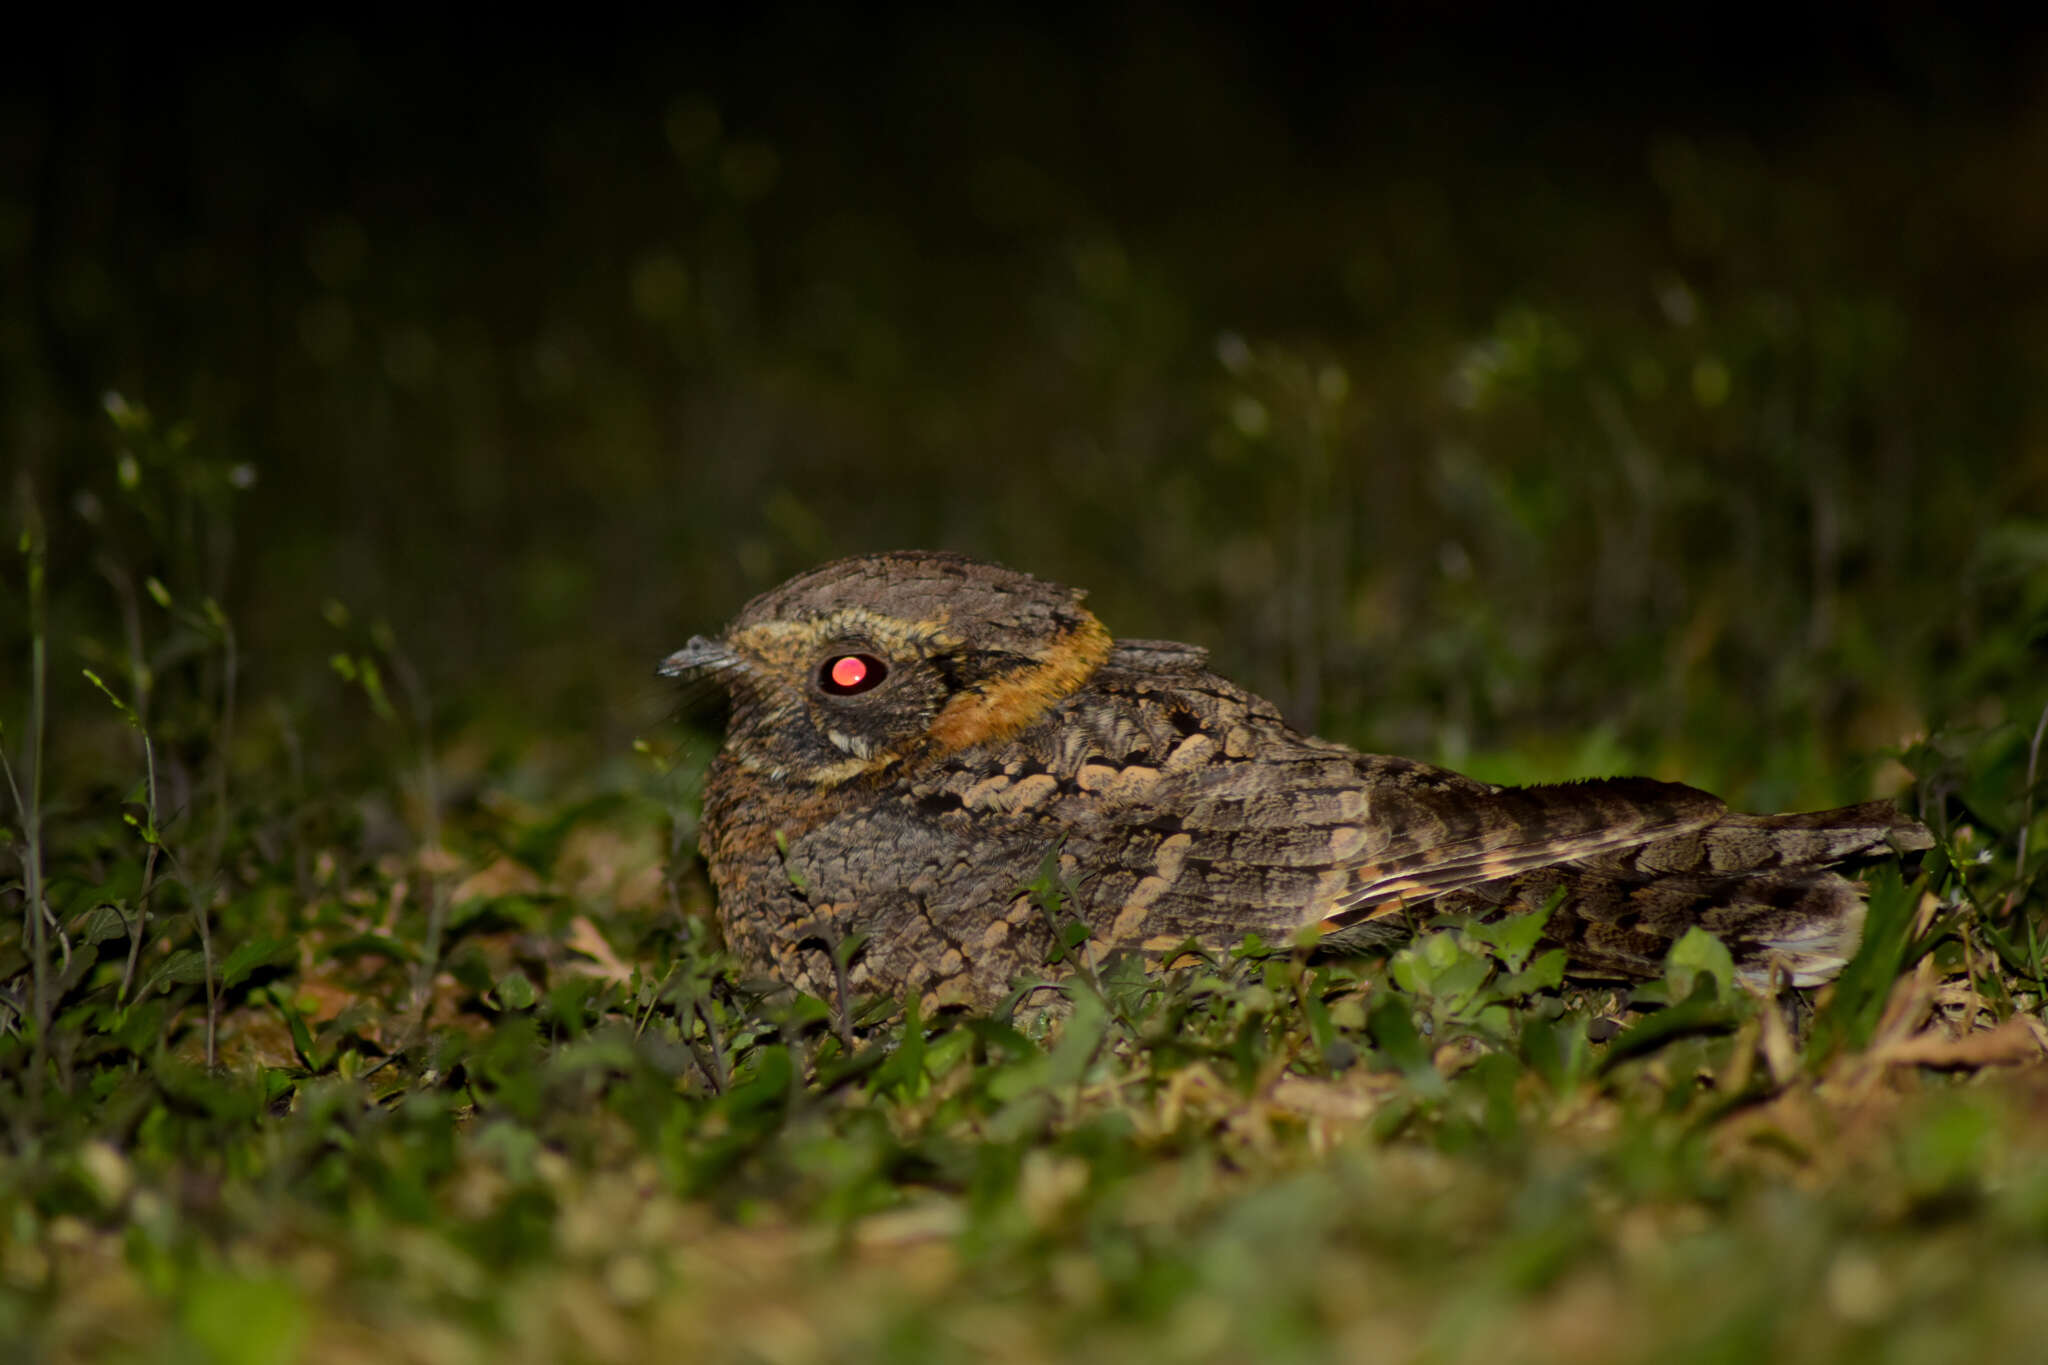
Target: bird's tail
(1763, 884)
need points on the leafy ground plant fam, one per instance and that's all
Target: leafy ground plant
(438, 1059)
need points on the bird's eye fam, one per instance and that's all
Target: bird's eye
(846, 674)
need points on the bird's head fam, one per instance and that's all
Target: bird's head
(883, 659)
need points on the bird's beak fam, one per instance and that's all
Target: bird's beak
(698, 656)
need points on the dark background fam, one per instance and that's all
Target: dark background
(1511, 388)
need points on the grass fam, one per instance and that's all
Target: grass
(446, 1066)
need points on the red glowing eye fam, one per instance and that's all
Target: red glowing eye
(851, 673)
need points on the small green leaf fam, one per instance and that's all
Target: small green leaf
(1442, 967)
(847, 949)
(1545, 974)
(249, 956)
(515, 992)
(104, 921)
(1695, 952)
(1045, 889)
(1460, 982)
(373, 687)
(182, 968)
(789, 869)
(1514, 937)
(311, 1056)
(902, 1073)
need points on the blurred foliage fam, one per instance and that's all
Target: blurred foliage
(375, 418)
(1456, 425)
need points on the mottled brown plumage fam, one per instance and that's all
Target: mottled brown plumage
(911, 733)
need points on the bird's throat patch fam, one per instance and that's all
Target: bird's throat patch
(1001, 707)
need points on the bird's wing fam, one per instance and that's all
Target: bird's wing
(1424, 841)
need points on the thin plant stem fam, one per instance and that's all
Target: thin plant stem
(140, 682)
(713, 1067)
(31, 806)
(430, 797)
(216, 852)
(295, 759)
(842, 1012)
(230, 662)
(2019, 870)
(141, 922)
(205, 922)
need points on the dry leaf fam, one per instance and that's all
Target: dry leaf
(505, 877)
(605, 964)
(2010, 1044)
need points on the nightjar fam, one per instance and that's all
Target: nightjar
(911, 733)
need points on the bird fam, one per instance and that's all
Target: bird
(916, 738)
